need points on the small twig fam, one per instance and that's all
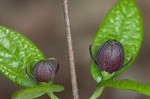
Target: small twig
(70, 50)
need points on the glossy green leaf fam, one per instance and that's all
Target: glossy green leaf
(16, 52)
(123, 23)
(33, 92)
(127, 84)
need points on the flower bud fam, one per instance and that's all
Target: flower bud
(110, 56)
(44, 71)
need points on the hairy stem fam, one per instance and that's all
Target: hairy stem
(70, 50)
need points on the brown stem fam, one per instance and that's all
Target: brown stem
(70, 50)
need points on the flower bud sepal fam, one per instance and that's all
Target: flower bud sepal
(106, 75)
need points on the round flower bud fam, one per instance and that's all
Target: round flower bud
(110, 56)
(43, 71)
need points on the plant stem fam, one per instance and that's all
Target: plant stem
(70, 50)
(97, 92)
(52, 96)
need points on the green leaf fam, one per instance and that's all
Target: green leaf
(16, 52)
(95, 72)
(33, 92)
(127, 84)
(123, 23)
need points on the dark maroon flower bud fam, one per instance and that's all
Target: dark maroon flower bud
(110, 56)
(44, 71)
